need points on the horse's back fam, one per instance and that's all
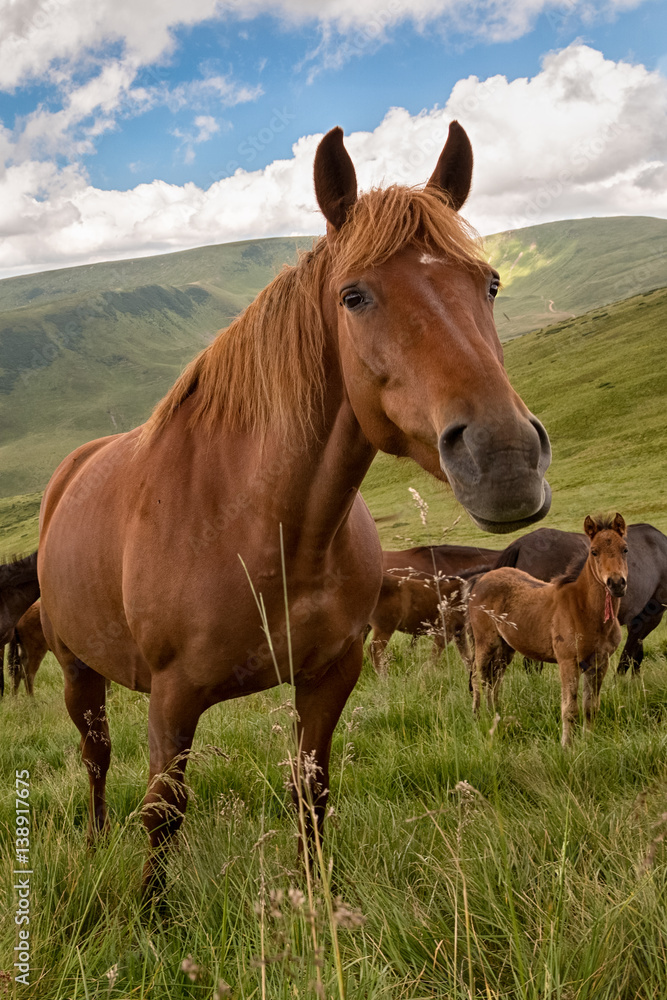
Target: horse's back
(544, 553)
(506, 580)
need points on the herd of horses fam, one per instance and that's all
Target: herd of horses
(224, 548)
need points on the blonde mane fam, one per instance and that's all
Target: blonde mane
(266, 369)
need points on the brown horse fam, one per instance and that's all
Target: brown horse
(547, 552)
(19, 588)
(248, 472)
(571, 621)
(427, 561)
(435, 607)
(27, 649)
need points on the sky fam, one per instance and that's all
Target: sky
(135, 127)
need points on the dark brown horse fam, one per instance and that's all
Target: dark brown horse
(571, 621)
(429, 560)
(27, 649)
(248, 472)
(19, 588)
(547, 552)
(418, 606)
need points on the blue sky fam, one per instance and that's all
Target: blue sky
(127, 131)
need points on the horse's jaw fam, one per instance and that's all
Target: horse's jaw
(503, 527)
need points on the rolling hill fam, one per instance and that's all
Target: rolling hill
(597, 382)
(562, 269)
(87, 351)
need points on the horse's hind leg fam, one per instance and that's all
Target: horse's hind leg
(35, 649)
(85, 700)
(638, 629)
(319, 705)
(569, 711)
(377, 648)
(501, 659)
(172, 719)
(593, 678)
(15, 663)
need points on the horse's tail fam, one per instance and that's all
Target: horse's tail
(2, 670)
(510, 555)
(14, 658)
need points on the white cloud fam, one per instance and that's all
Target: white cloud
(44, 38)
(206, 126)
(585, 136)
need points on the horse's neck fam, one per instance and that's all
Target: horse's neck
(323, 478)
(590, 592)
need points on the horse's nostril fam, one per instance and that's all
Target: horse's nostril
(452, 435)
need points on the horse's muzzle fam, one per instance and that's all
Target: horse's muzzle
(497, 473)
(617, 587)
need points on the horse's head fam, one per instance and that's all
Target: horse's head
(609, 551)
(421, 359)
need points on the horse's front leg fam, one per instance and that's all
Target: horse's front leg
(593, 678)
(569, 686)
(173, 714)
(319, 705)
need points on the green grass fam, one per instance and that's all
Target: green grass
(544, 879)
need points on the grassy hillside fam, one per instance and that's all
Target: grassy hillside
(598, 383)
(562, 269)
(87, 351)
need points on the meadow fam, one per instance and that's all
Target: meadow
(464, 859)
(468, 859)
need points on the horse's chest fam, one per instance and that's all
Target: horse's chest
(585, 643)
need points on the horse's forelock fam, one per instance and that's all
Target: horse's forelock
(384, 221)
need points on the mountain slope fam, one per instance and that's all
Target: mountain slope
(562, 269)
(600, 386)
(87, 351)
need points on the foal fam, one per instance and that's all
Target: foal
(572, 621)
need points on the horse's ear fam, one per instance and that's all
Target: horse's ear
(335, 179)
(453, 173)
(618, 524)
(590, 526)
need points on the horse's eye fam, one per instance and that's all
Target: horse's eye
(352, 300)
(493, 287)
(625, 552)
(595, 552)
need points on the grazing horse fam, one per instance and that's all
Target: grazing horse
(547, 552)
(571, 621)
(27, 649)
(247, 476)
(435, 607)
(19, 588)
(427, 561)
